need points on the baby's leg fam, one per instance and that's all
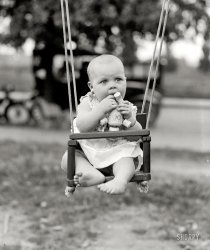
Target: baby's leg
(85, 174)
(123, 171)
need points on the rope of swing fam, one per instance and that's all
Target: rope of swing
(162, 24)
(66, 23)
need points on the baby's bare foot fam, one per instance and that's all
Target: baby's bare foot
(70, 190)
(113, 187)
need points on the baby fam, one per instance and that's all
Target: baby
(105, 156)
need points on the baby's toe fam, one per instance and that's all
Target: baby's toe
(77, 179)
(101, 187)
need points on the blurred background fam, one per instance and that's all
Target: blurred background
(34, 125)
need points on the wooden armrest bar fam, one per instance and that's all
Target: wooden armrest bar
(97, 135)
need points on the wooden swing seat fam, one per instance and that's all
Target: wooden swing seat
(144, 135)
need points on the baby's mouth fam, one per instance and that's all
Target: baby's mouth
(113, 91)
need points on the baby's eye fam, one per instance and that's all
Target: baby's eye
(103, 82)
(118, 79)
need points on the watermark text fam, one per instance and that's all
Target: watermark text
(188, 236)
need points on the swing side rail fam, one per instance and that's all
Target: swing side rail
(132, 135)
(144, 135)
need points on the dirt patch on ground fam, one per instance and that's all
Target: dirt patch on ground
(132, 228)
(15, 230)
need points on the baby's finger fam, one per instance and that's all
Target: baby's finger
(125, 112)
(126, 102)
(124, 105)
(113, 102)
(110, 97)
(123, 108)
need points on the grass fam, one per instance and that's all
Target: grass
(32, 182)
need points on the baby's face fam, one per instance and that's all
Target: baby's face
(107, 79)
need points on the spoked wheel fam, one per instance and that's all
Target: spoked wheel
(17, 114)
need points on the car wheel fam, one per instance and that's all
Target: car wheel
(17, 114)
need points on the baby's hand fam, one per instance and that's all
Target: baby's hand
(125, 108)
(108, 104)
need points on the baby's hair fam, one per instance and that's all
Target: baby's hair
(100, 60)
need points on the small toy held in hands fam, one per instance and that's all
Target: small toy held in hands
(115, 119)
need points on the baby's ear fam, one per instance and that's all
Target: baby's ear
(90, 85)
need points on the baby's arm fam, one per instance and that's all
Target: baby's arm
(88, 119)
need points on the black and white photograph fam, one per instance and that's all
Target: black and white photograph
(104, 125)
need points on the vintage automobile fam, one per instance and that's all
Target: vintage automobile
(50, 78)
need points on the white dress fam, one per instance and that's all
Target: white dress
(102, 153)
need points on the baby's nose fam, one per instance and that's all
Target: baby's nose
(113, 84)
(112, 88)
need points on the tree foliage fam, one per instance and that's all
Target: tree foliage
(113, 22)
